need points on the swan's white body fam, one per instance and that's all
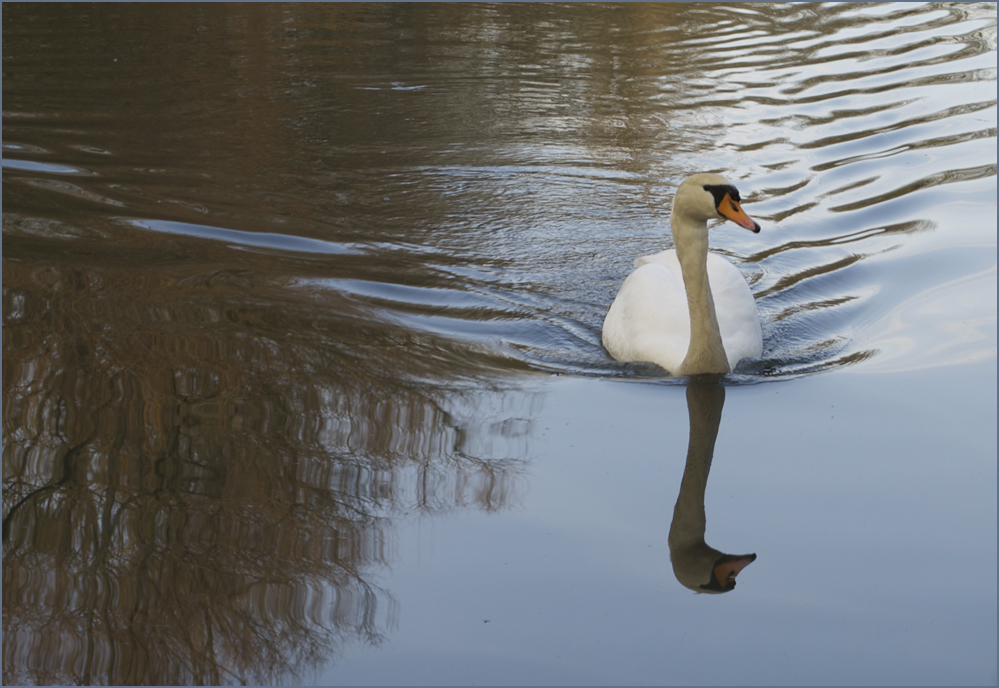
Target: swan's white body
(650, 320)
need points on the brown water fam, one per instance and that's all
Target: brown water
(302, 373)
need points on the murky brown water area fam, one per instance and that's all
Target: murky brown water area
(302, 374)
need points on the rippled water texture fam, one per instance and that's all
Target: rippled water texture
(287, 286)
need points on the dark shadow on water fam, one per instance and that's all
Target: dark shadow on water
(696, 564)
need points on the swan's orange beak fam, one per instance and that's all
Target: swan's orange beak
(731, 209)
(726, 571)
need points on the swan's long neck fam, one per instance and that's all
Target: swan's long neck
(705, 353)
(692, 558)
(704, 407)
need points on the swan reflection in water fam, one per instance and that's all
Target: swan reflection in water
(696, 564)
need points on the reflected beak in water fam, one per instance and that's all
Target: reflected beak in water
(731, 209)
(728, 568)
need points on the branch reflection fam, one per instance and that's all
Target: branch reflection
(199, 488)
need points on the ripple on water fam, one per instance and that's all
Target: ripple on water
(850, 130)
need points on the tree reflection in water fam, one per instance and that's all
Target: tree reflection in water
(202, 496)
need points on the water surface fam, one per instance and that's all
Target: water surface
(302, 368)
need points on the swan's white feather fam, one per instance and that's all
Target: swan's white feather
(649, 320)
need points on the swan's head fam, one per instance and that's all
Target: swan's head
(711, 197)
(704, 569)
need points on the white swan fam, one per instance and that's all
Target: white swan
(688, 310)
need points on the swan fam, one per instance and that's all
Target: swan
(688, 310)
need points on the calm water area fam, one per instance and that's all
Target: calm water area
(302, 368)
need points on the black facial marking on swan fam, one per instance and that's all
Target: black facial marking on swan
(720, 190)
